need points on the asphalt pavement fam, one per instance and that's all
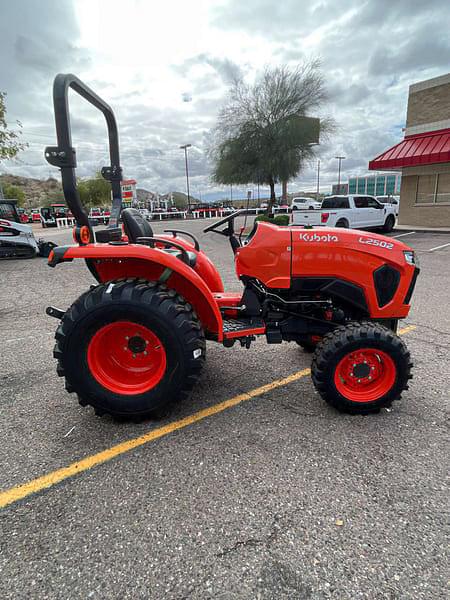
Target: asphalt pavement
(275, 497)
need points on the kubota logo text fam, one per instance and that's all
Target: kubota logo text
(316, 237)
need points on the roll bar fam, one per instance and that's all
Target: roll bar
(63, 155)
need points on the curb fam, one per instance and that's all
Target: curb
(419, 229)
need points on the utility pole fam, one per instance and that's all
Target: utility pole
(340, 159)
(185, 147)
(318, 180)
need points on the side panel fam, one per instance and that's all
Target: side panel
(114, 262)
(267, 256)
(353, 256)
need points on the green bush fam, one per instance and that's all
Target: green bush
(264, 218)
(281, 220)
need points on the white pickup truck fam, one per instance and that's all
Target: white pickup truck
(354, 211)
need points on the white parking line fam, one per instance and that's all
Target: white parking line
(438, 247)
(403, 234)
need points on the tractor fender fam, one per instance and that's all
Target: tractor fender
(108, 262)
(204, 267)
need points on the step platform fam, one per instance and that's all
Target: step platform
(239, 328)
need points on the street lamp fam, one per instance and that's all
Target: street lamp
(340, 159)
(318, 180)
(185, 147)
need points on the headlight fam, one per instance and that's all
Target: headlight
(411, 257)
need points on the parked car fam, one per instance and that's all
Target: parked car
(263, 205)
(96, 213)
(301, 203)
(394, 200)
(35, 215)
(354, 211)
(23, 216)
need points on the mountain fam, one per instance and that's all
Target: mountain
(38, 192)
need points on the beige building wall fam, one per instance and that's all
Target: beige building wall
(433, 215)
(428, 105)
(428, 110)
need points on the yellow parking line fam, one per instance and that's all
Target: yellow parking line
(406, 329)
(50, 479)
(40, 483)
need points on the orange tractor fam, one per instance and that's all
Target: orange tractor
(136, 341)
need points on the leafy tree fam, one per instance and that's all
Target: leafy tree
(10, 144)
(94, 192)
(264, 134)
(14, 192)
(180, 200)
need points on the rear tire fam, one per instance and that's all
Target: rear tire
(361, 367)
(389, 224)
(342, 223)
(130, 348)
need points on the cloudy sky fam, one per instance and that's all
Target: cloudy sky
(165, 68)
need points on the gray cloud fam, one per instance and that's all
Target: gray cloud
(371, 51)
(227, 69)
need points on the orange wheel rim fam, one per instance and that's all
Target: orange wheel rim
(126, 358)
(365, 375)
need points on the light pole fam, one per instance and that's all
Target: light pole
(340, 159)
(185, 147)
(318, 180)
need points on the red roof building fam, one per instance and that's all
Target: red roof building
(423, 156)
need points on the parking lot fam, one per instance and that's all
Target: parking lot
(254, 488)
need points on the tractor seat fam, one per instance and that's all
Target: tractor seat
(137, 227)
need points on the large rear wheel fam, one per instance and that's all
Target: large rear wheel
(130, 348)
(361, 367)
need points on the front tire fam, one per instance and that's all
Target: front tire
(361, 367)
(130, 348)
(389, 224)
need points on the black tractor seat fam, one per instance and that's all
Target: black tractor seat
(137, 227)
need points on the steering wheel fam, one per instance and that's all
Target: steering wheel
(228, 232)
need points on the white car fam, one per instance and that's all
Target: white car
(394, 200)
(354, 211)
(305, 204)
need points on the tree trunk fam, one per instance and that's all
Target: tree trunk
(284, 185)
(273, 198)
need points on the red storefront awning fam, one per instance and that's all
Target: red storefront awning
(421, 149)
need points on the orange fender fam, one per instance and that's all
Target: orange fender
(109, 262)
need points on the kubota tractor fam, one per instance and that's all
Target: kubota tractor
(135, 341)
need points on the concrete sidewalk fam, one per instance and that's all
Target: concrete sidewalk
(420, 228)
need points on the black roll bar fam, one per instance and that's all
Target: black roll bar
(63, 155)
